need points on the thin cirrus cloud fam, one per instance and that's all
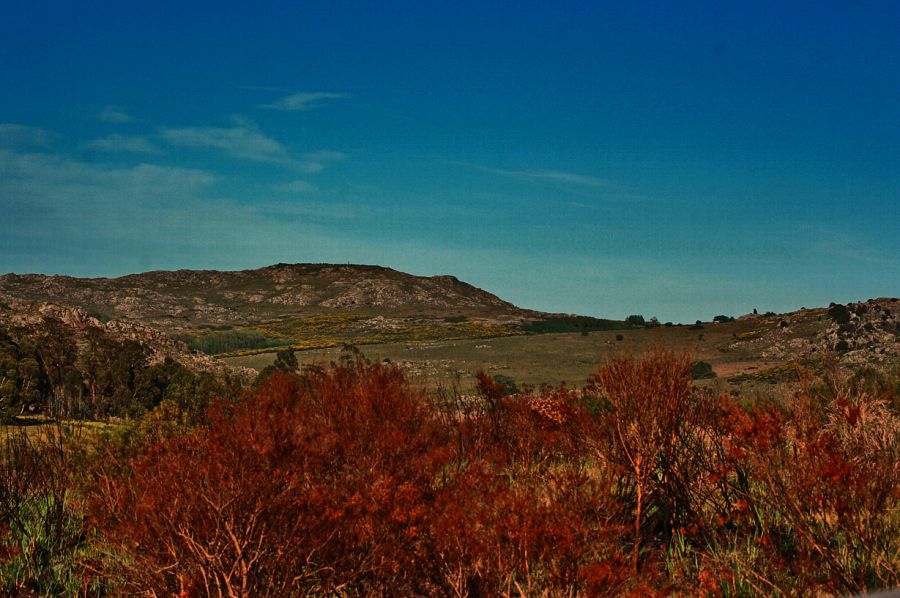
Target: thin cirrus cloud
(50, 201)
(115, 115)
(315, 161)
(14, 136)
(543, 175)
(298, 186)
(122, 143)
(245, 141)
(303, 101)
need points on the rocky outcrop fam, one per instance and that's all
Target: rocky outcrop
(185, 299)
(863, 333)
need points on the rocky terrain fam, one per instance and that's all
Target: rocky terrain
(308, 306)
(186, 299)
(863, 333)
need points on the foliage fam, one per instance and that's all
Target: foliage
(347, 480)
(647, 438)
(572, 324)
(839, 313)
(45, 544)
(226, 341)
(336, 329)
(636, 320)
(22, 380)
(701, 370)
(96, 377)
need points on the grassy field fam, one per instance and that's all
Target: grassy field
(39, 427)
(542, 358)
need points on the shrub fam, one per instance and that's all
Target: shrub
(346, 480)
(701, 370)
(46, 546)
(571, 324)
(647, 437)
(315, 484)
(226, 341)
(508, 383)
(839, 314)
(817, 485)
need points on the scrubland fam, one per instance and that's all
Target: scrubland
(348, 480)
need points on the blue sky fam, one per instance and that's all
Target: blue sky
(678, 160)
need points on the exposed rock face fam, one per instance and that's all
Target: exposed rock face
(864, 332)
(858, 333)
(183, 299)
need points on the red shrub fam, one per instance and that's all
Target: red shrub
(829, 474)
(652, 434)
(314, 483)
(346, 480)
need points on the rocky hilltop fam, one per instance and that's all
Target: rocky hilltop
(858, 333)
(186, 299)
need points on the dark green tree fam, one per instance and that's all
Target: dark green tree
(286, 361)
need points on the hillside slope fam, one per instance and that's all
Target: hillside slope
(187, 299)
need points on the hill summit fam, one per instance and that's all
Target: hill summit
(186, 299)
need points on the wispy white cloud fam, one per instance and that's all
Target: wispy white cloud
(114, 114)
(72, 213)
(302, 101)
(830, 243)
(544, 175)
(313, 162)
(245, 141)
(297, 186)
(31, 173)
(123, 143)
(14, 136)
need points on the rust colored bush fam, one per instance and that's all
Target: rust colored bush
(652, 436)
(826, 485)
(312, 484)
(534, 534)
(346, 480)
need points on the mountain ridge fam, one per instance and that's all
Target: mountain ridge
(176, 300)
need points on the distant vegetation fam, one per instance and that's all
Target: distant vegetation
(229, 340)
(701, 370)
(572, 324)
(49, 371)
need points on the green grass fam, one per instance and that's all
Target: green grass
(336, 329)
(530, 359)
(40, 427)
(733, 349)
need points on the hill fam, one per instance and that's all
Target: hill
(173, 300)
(300, 305)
